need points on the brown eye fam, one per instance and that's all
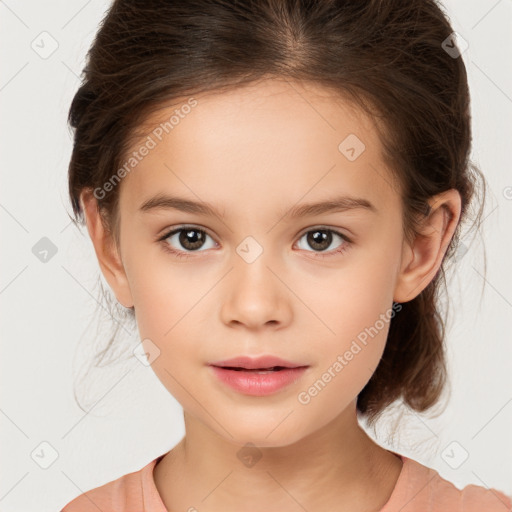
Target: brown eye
(321, 239)
(191, 238)
(186, 239)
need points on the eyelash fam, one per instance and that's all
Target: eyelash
(183, 254)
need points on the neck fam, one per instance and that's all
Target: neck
(336, 467)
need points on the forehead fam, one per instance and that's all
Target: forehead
(264, 140)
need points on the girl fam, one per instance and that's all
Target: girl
(273, 188)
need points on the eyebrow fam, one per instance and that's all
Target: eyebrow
(336, 204)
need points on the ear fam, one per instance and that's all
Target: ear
(422, 259)
(106, 251)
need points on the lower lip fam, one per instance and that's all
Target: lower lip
(258, 384)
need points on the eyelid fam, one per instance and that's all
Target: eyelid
(321, 227)
(166, 233)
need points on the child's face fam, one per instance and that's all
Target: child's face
(255, 154)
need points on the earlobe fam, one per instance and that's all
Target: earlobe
(106, 251)
(422, 260)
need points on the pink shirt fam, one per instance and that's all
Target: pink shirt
(418, 489)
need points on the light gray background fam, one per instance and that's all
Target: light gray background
(48, 309)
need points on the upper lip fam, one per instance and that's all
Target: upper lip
(252, 363)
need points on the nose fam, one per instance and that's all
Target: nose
(255, 295)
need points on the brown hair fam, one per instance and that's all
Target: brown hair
(387, 56)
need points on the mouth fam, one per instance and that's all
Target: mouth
(258, 381)
(257, 376)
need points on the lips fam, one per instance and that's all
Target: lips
(258, 381)
(261, 363)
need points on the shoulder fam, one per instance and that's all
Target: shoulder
(420, 487)
(124, 494)
(475, 497)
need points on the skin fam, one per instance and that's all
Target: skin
(254, 153)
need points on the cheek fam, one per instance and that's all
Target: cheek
(355, 309)
(353, 297)
(171, 303)
(166, 295)
(344, 367)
